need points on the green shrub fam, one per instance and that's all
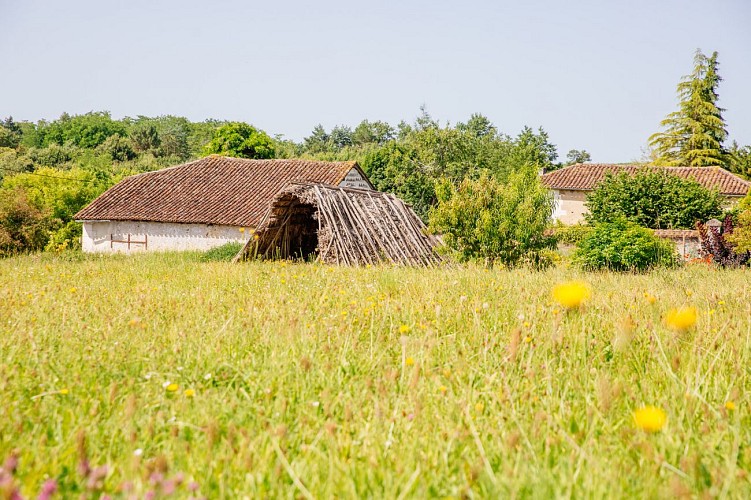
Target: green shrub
(624, 246)
(571, 235)
(224, 253)
(494, 221)
(653, 198)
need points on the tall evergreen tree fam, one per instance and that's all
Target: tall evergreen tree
(694, 135)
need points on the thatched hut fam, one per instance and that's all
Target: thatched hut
(341, 226)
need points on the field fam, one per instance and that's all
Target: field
(165, 373)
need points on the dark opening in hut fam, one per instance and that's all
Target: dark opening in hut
(340, 226)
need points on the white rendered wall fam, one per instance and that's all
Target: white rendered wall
(157, 236)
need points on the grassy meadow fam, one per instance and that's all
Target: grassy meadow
(165, 375)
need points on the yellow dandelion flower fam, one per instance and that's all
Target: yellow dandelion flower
(73, 289)
(650, 298)
(64, 391)
(172, 387)
(730, 406)
(410, 361)
(443, 389)
(189, 393)
(681, 319)
(479, 407)
(650, 418)
(721, 302)
(404, 329)
(242, 229)
(572, 294)
(527, 339)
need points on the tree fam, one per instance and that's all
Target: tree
(740, 160)
(318, 141)
(377, 132)
(145, 137)
(499, 222)
(654, 199)
(22, 226)
(10, 133)
(241, 141)
(478, 125)
(575, 156)
(86, 131)
(694, 135)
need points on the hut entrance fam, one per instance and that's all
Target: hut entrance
(292, 232)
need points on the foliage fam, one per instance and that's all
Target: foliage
(422, 367)
(654, 199)
(487, 219)
(241, 141)
(85, 131)
(575, 156)
(694, 135)
(740, 238)
(10, 133)
(54, 197)
(223, 253)
(571, 234)
(393, 168)
(23, 227)
(740, 160)
(722, 245)
(622, 245)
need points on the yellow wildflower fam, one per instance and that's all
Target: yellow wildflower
(64, 391)
(443, 389)
(572, 294)
(172, 387)
(189, 393)
(447, 372)
(479, 406)
(650, 298)
(73, 289)
(730, 406)
(410, 361)
(650, 418)
(681, 319)
(242, 229)
(404, 329)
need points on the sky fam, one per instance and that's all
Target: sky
(596, 75)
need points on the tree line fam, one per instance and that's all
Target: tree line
(51, 169)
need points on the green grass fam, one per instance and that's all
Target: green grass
(380, 382)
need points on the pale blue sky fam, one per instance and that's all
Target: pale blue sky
(596, 74)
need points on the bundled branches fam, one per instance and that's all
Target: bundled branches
(341, 226)
(715, 245)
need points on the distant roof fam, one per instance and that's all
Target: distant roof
(212, 190)
(586, 177)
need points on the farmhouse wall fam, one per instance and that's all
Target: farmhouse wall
(569, 206)
(113, 236)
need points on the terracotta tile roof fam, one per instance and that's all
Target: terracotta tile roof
(212, 190)
(586, 177)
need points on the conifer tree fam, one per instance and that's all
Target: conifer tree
(694, 135)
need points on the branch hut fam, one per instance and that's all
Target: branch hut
(343, 226)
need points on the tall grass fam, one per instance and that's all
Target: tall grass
(316, 381)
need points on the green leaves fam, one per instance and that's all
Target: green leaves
(653, 198)
(694, 135)
(240, 140)
(623, 246)
(487, 219)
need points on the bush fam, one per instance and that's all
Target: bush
(571, 235)
(486, 219)
(653, 198)
(224, 253)
(624, 246)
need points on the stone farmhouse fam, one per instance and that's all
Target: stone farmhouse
(201, 204)
(572, 184)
